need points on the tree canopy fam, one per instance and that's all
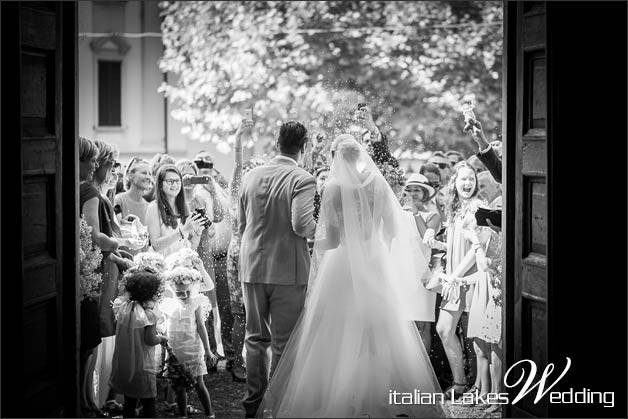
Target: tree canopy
(413, 62)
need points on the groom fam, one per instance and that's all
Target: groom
(276, 218)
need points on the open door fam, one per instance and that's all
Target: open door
(39, 193)
(526, 191)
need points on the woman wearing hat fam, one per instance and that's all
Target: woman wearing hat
(417, 193)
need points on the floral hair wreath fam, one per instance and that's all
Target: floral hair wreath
(185, 257)
(183, 276)
(152, 260)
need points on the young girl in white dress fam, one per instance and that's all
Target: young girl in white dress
(133, 368)
(185, 328)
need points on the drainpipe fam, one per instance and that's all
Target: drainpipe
(165, 117)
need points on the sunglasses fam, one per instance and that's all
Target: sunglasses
(172, 181)
(441, 165)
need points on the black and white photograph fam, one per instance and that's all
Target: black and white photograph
(313, 209)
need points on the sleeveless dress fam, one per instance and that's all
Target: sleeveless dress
(181, 331)
(485, 317)
(457, 248)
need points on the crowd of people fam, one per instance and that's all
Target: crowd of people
(170, 235)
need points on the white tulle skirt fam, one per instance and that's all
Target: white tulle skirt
(350, 349)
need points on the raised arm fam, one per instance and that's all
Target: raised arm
(486, 154)
(236, 178)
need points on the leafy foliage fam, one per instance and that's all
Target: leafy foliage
(414, 63)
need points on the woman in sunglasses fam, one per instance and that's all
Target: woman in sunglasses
(433, 175)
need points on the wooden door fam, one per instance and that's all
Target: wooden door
(526, 311)
(39, 190)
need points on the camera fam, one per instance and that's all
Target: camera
(206, 221)
(201, 164)
(196, 180)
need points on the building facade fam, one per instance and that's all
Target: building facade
(119, 48)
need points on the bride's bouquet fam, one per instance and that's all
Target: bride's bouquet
(90, 258)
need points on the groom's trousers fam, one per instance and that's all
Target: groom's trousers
(271, 313)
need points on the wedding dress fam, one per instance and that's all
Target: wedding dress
(355, 341)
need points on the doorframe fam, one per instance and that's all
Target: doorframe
(69, 161)
(509, 182)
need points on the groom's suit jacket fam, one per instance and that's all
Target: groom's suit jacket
(276, 217)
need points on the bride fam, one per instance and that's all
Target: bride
(355, 343)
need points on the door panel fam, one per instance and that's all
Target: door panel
(39, 39)
(527, 149)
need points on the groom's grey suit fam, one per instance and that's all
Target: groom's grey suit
(276, 216)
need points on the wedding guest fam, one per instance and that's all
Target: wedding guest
(195, 199)
(437, 203)
(321, 177)
(377, 141)
(170, 225)
(489, 336)
(237, 367)
(487, 154)
(205, 162)
(477, 165)
(156, 162)
(428, 223)
(137, 180)
(454, 157)
(463, 259)
(133, 367)
(215, 250)
(97, 159)
(485, 318)
(488, 188)
(439, 159)
(120, 181)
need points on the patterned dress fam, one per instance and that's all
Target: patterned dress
(491, 329)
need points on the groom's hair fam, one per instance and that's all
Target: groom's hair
(292, 136)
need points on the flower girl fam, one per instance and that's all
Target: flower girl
(185, 324)
(134, 368)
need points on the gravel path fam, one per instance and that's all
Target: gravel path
(227, 396)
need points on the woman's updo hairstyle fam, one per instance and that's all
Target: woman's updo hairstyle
(347, 147)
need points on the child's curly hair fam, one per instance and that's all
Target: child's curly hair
(144, 285)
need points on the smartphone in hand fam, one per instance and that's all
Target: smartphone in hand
(196, 180)
(248, 114)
